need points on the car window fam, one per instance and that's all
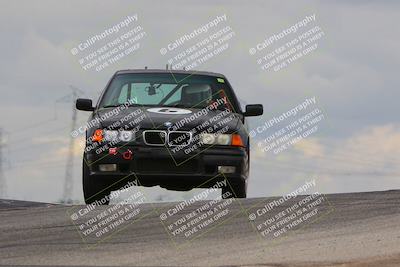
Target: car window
(123, 95)
(175, 97)
(164, 90)
(168, 94)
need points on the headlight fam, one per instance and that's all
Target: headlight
(126, 136)
(224, 139)
(110, 135)
(208, 139)
(118, 136)
(219, 139)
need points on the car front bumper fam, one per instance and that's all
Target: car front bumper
(158, 166)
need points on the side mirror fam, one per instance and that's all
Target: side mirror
(254, 110)
(84, 104)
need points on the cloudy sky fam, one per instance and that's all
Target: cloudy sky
(352, 74)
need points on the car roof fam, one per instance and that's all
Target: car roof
(189, 72)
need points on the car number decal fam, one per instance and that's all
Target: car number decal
(169, 111)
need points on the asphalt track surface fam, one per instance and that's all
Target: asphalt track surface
(355, 229)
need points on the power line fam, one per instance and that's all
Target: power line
(64, 99)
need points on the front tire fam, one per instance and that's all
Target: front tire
(94, 190)
(237, 190)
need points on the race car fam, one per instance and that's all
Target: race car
(173, 128)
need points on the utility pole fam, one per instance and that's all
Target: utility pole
(69, 168)
(3, 184)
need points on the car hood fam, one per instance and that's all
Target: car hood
(162, 118)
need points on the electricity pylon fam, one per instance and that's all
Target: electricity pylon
(69, 168)
(3, 184)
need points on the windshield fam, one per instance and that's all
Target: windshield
(165, 90)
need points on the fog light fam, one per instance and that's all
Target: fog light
(226, 169)
(107, 167)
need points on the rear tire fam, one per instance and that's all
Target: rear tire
(238, 190)
(94, 190)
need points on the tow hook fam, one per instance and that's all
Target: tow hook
(127, 154)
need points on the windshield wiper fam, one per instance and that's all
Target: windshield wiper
(115, 106)
(110, 106)
(174, 106)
